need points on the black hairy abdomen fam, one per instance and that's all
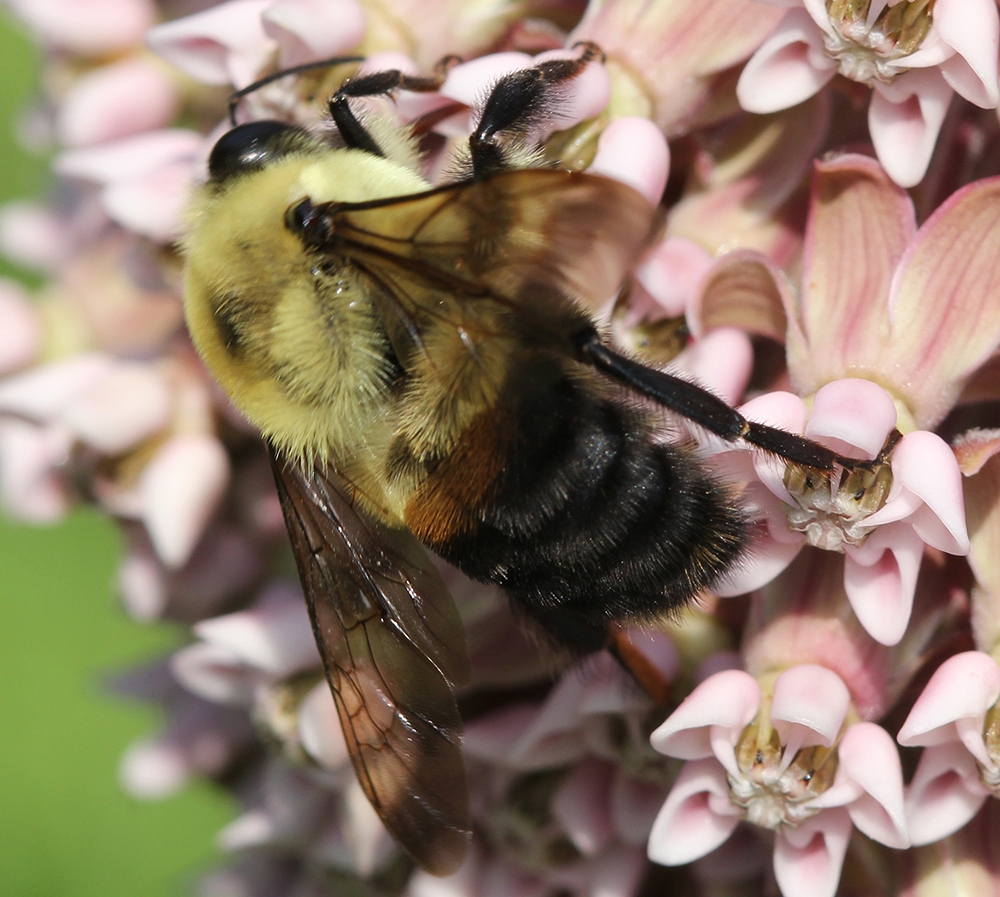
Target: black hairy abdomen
(593, 521)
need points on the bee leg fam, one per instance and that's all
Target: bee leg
(378, 84)
(515, 103)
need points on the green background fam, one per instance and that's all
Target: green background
(66, 828)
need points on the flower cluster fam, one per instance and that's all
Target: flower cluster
(829, 174)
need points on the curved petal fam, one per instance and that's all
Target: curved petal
(858, 227)
(790, 66)
(696, 818)
(857, 412)
(945, 320)
(275, 637)
(634, 151)
(924, 464)
(41, 393)
(768, 558)
(972, 28)
(809, 706)
(120, 410)
(216, 673)
(717, 710)
(152, 204)
(20, 325)
(311, 30)
(96, 29)
(721, 362)
(127, 97)
(880, 579)
(904, 120)
(130, 157)
(742, 289)
(964, 687)
(870, 758)
(945, 793)
(808, 859)
(181, 488)
(670, 272)
(224, 44)
(319, 727)
(582, 806)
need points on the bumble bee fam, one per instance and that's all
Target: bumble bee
(421, 366)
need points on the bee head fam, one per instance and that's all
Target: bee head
(252, 146)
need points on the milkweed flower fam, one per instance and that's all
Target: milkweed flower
(914, 55)
(793, 759)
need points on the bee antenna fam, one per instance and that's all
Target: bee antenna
(236, 96)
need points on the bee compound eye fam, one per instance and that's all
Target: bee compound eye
(251, 146)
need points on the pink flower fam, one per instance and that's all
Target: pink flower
(880, 519)
(913, 54)
(805, 771)
(960, 764)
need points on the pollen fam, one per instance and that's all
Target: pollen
(831, 507)
(873, 50)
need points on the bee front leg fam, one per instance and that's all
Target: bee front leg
(377, 84)
(516, 102)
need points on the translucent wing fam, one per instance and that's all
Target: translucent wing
(553, 246)
(394, 650)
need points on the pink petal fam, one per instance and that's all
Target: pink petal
(43, 392)
(225, 44)
(768, 558)
(117, 100)
(963, 688)
(717, 709)
(276, 637)
(696, 817)
(859, 225)
(319, 728)
(581, 806)
(808, 859)
(789, 67)
(946, 792)
(493, 736)
(310, 30)
(743, 289)
(809, 706)
(33, 236)
(972, 27)
(924, 464)
(721, 362)
(634, 151)
(858, 413)
(943, 316)
(88, 27)
(142, 583)
(470, 82)
(676, 51)
(152, 770)
(181, 488)
(30, 456)
(974, 448)
(880, 578)
(585, 96)
(634, 805)
(20, 327)
(216, 673)
(671, 271)
(153, 204)
(130, 404)
(130, 157)
(870, 760)
(904, 120)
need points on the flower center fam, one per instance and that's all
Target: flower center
(869, 49)
(831, 507)
(774, 790)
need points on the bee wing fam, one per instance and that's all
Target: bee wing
(543, 240)
(394, 650)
